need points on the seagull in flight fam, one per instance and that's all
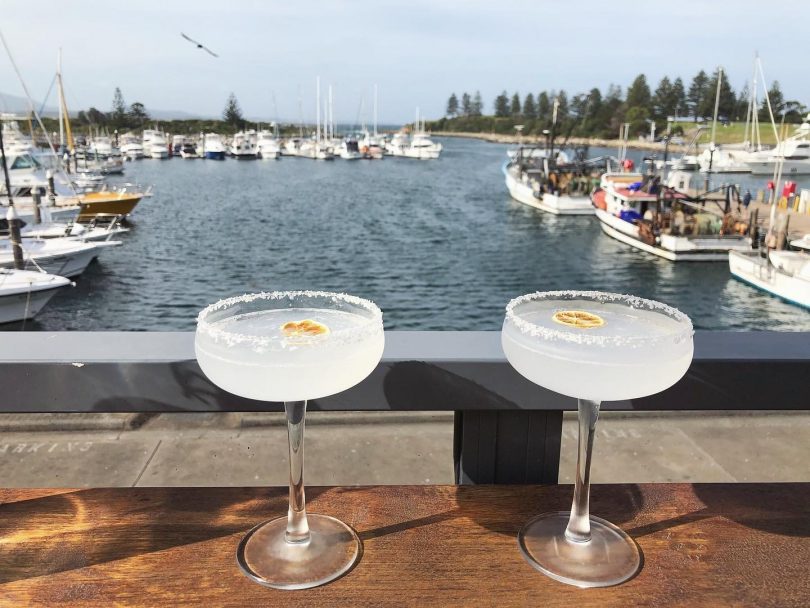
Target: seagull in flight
(199, 46)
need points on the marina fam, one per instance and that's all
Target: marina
(399, 232)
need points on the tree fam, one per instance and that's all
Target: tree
(662, 102)
(514, 107)
(543, 107)
(96, 117)
(502, 105)
(529, 109)
(562, 106)
(137, 114)
(466, 104)
(679, 96)
(118, 116)
(232, 114)
(638, 95)
(695, 98)
(727, 100)
(452, 106)
(477, 104)
(777, 103)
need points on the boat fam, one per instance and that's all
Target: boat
(267, 145)
(23, 293)
(213, 148)
(101, 228)
(120, 201)
(794, 151)
(178, 141)
(316, 150)
(15, 141)
(131, 147)
(100, 147)
(371, 146)
(552, 185)
(67, 256)
(155, 144)
(350, 149)
(398, 144)
(243, 145)
(291, 146)
(785, 274)
(725, 159)
(639, 211)
(189, 150)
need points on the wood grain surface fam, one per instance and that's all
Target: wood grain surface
(703, 545)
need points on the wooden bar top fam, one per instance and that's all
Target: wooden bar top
(703, 545)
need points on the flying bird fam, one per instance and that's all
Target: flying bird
(199, 46)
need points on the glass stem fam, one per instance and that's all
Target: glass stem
(297, 526)
(579, 524)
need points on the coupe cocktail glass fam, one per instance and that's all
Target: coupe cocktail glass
(291, 347)
(595, 347)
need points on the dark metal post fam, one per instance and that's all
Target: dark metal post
(36, 201)
(11, 214)
(51, 188)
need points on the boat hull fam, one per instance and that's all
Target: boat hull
(757, 272)
(767, 167)
(628, 233)
(22, 306)
(95, 203)
(210, 155)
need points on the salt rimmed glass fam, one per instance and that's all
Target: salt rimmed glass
(595, 347)
(256, 346)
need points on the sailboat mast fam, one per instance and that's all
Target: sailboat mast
(61, 116)
(318, 109)
(375, 110)
(331, 116)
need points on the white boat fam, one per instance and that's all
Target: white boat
(267, 146)
(785, 274)
(673, 227)
(189, 150)
(100, 147)
(349, 149)
(131, 147)
(795, 151)
(243, 145)
(213, 148)
(95, 231)
(23, 293)
(531, 187)
(398, 144)
(725, 159)
(15, 141)
(316, 150)
(291, 146)
(178, 141)
(372, 146)
(67, 257)
(155, 144)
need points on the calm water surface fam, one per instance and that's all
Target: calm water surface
(438, 245)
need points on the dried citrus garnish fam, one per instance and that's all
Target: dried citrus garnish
(307, 327)
(578, 318)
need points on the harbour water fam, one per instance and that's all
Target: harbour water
(439, 245)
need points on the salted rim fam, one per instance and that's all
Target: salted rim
(582, 337)
(371, 325)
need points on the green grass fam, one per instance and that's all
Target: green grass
(731, 134)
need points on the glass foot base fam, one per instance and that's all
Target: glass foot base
(609, 558)
(268, 559)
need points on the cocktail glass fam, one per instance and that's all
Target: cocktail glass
(292, 347)
(595, 347)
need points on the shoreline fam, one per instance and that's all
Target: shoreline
(498, 138)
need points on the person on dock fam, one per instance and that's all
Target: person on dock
(746, 199)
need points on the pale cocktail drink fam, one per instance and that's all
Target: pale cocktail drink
(291, 347)
(595, 347)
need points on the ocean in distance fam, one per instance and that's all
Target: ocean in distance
(439, 245)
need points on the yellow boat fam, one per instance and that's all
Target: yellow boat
(108, 203)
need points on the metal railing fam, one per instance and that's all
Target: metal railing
(507, 430)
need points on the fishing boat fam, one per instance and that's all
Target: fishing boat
(243, 145)
(155, 144)
(23, 293)
(213, 148)
(189, 150)
(67, 257)
(555, 185)
(267, 145)
(785, 274)
(639, 211)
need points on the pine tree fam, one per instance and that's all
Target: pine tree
(638, 95)
(662, 101)
(477, 104)
(777, 103)
(514, 107)
(502, 105)
(529, 109)
(696, 96)
(678, 96)
(466, 104)
(452, 106)
(137, 114)
(727, 100)
(543, 107)
(118, 116)
(232, 114)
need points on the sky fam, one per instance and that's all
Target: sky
(418, 52)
